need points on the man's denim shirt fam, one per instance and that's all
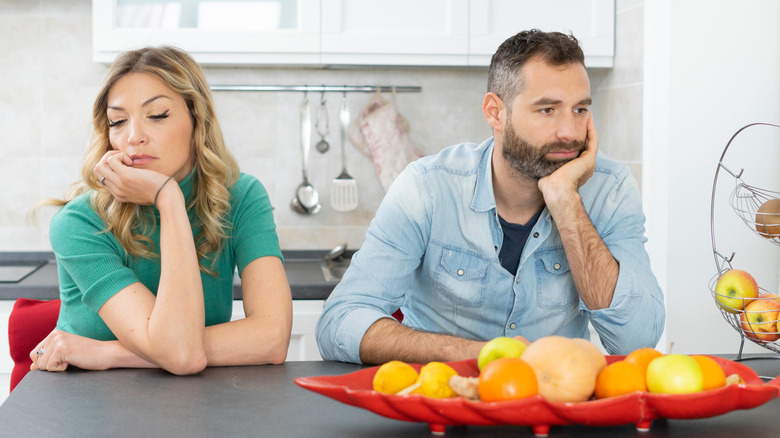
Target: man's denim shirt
(432, 251)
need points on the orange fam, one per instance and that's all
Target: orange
(620, 378)
(714, 377)
(394, 376)
(642, 357)
(507, 378)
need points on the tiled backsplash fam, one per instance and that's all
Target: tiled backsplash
(48, 82)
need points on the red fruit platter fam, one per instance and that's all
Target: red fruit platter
(640, 408)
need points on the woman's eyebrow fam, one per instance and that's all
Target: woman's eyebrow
(146, 102)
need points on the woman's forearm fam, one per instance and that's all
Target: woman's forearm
(264, 335)
(233, 343)
(176, 324)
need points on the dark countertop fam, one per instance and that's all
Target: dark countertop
(307, 281)
(264, 401)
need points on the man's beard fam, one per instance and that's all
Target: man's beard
(530, 160)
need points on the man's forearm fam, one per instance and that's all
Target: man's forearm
(387, 340)
(593, 268)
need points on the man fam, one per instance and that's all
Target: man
(531, 233)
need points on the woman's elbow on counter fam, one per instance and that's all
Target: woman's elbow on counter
(186, 363)
(278, 357)
(277, 353)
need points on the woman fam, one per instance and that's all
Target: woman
(147, 243)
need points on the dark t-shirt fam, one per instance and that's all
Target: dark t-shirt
(515, 236)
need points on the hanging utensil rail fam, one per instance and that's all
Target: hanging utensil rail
(320, 88)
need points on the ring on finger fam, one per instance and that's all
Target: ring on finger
(103, 180)
(40, 352)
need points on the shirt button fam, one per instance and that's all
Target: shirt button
(513, 326)
(536, 234)
(460, 272)
(517, 280)
(557, 266)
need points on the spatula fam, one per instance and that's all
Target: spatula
(344, 191)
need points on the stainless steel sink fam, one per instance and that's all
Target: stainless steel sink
(315, 270)
(17, 273)
(311, 270)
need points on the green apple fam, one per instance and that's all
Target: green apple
(499, 347)
(674, 374)
(735, 289)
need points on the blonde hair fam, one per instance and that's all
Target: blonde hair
(217, 169)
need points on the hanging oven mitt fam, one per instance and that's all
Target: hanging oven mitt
(386, 136)
(356, 130)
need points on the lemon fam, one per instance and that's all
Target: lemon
(394, 376)
(434, 380)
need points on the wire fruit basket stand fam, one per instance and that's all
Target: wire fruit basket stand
(754, 318)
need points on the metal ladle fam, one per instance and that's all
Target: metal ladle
(307, 200)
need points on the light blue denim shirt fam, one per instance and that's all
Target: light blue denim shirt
(432, 251)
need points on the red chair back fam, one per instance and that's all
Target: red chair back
(30, 321)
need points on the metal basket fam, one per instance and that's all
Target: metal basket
(746, 200)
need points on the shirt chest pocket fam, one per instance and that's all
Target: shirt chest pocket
(555, 285)
(461, 277)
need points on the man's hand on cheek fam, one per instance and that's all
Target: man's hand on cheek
(561, 186)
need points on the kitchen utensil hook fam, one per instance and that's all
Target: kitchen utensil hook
(322, 118)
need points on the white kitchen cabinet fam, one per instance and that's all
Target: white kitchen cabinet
(303, 342)
(591, 21)
(267, 32)
(354, 32)
(401, 32)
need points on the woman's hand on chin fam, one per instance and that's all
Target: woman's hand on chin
(115, 171)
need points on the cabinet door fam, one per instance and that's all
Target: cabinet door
(591, 21)
(303, 338)
(213, 31)
(400, 32)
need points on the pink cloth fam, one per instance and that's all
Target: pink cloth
(384, 136)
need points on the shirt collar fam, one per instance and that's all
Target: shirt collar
(484, 199)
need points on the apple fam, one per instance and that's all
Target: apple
(769, 296)
(735, 289)
(768, 219)
(760, 320)
(501, 346)
(674, 374)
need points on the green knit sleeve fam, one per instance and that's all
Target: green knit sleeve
(91, 263)
(253, 233)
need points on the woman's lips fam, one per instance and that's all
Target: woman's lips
(142, 159)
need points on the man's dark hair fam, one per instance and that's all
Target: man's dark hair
(555, 48)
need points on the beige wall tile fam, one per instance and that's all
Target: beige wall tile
(618, 117)
(21, 7)
(19, 178)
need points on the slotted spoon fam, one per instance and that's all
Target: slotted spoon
(344, 190)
